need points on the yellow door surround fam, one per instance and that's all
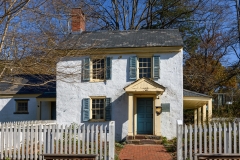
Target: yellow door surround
(143, 87)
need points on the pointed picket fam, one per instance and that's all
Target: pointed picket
(92, 138)
(48, 139)
(27, 143)
(229, 138)
(65, 138)
(205, 138)
(61, 140)
(74, 139)
(31, 141)
(190, 141)
(215, 137)
(2, 141)
(44, 139)
(35, 141)
(234, 138)
(210, 138)
(57, 139)
(52, 138)
(10, 137)
(105, 142)
(14, 140)
(70, 139)
(96, 140)
(83, 139)
(23, 142)
(79, 139)
(220, 137)
(195, 138)
(88, 126)
(101, 137)
(225, 137)
(40, 141)
(200, 139)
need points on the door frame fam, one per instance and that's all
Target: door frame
(135, 110)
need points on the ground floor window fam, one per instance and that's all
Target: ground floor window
(98, 108)
(21, 106)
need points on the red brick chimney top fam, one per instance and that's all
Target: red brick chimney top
(78, 20)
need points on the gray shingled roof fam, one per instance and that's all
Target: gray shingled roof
(123, 39)
(187, 93)
(24, 84)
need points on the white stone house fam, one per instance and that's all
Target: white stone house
(134, 78)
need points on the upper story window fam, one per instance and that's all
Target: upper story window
(144, 67)
(140, 67)
(21, 106)
(96, 69)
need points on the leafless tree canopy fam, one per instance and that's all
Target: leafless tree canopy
(30, 31)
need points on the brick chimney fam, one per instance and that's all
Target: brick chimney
(78, 20)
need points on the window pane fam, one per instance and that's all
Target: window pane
(98, 68)
(22, 106)
(145, 67)
(97, 108)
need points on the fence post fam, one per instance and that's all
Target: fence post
(111, 140)
(179, 139)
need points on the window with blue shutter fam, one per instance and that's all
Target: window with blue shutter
(108, 68)
(108, 109)
(156, 67)
(86, 69)
(133, 68)
(86, 109)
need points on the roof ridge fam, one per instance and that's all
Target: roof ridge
(104, 31)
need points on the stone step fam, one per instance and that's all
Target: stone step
(144, 141)
(143, 137)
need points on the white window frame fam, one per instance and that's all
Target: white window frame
(151, 65)
(91, 110)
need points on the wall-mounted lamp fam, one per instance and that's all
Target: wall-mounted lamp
(158, 110)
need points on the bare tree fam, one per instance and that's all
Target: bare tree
(207, 65)
(30, 32)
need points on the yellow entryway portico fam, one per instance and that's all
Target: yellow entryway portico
(138, 91)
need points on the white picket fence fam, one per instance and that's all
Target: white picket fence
(213, 138)
(31, 140)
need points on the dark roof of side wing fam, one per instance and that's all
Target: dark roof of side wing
(188, 93)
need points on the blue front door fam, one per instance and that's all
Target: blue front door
(144, 116)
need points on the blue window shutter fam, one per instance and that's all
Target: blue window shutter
(108, 109)
(108, 68)
(156, 67)
(86, 69)
(86, 109)
(133, 68)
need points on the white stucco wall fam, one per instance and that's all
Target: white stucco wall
(71, 91)
(8, 107)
